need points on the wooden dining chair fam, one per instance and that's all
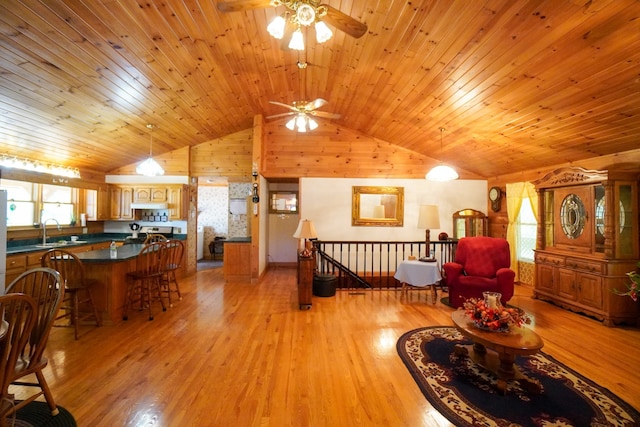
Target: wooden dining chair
(18, 319)
(46, 287)
(154, 237)
(143, 287)
(78, 304)
(175, 253)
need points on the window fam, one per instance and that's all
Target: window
(526, 230)
(20, 202)
(57, 203)
(29, 203)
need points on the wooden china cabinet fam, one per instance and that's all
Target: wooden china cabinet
(588, 240)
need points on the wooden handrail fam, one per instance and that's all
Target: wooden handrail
(370, 264)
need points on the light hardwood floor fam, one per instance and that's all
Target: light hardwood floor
(238, 354)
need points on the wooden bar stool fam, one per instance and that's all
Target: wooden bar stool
(78, 303)
(175, 252)
(144, 283)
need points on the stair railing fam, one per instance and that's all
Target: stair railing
(370, 264)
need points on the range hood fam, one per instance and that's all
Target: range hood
(149, 205)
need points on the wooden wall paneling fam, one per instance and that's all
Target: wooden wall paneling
(334, 151)
(229, 156)
(174, 163)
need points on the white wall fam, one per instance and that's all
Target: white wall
(327, 202)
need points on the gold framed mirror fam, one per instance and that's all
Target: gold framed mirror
(377, 206)
(283, 202)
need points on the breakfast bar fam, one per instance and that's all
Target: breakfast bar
(111, 274)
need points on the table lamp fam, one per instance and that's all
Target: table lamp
(305, 231)
(428, 218)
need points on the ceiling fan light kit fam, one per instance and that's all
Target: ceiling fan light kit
(301, 123)
(297, 40)
(298, 14)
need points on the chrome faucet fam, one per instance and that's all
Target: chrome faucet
(44, 229)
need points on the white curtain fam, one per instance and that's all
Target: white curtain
(516, 193)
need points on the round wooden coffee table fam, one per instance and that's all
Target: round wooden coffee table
(505, 347)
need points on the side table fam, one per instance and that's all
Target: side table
(306, 267)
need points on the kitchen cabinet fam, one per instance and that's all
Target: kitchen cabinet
(236, 263)
(150, 195)
(587, 241)
(97, 204)
(177, 205)
(121, 199)
(102, 203)
(16, 265)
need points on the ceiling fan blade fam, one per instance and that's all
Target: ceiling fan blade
(290, 107)
(324, 115)
(316, 103)
(240, 5)
(275, 116)
(344, 22)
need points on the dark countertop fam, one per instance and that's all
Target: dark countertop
(236, 240)
(103, 256)
(31, 245)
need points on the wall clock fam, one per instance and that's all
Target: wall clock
(495, 195)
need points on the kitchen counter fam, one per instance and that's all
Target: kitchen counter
(34, 245)
(110, 276)
(237, 240)
(125, 252)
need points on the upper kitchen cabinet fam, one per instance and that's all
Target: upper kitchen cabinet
(177, 202)
(121, 199)
(150, 194)
(97, 204)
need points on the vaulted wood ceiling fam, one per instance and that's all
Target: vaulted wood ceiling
(517, 84)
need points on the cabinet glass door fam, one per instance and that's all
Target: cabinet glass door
(624, 222)
(599, 215)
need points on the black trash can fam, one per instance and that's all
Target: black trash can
(324, 285)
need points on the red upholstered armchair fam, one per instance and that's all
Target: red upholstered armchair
(481, 264)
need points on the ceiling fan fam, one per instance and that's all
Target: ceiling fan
(302, 112)
(300, 13)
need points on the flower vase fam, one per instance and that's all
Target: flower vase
(492, 300)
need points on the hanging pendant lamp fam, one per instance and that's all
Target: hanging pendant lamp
(442, 172)
(150, 167)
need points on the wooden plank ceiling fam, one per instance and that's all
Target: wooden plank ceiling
(517, 84)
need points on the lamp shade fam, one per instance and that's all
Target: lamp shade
(442, 173)
(428, 217)
(305, 230)
(149, 168)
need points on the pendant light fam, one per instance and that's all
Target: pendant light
(150, 167)
(442, 172)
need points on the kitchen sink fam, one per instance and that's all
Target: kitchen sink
(61, 244)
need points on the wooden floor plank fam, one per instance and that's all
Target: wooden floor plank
(244, 354)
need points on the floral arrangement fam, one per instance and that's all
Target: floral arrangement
(633, 288)
(496, 318)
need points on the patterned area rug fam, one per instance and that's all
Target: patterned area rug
(466, 394)
(37, 414)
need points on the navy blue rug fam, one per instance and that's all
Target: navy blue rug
(466, 394)
(38, 414)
